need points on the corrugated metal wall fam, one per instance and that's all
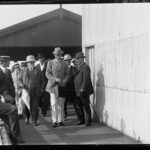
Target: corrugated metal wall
(55, 32)
(120, 34)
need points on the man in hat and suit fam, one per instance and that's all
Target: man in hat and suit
(32, 80)
(45, 97)
(23, 65)
(70, 94)
(83, 88)
(8, 109)
(15, 77)
(57, 72)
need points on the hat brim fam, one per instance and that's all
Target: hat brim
(16, 66)
(67, 59)
(54, 53)
(39, 57)
(30, 61)
(81, 57)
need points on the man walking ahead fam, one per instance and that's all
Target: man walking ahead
(44, 101)
(32, 80)
(56, 72)
(83, 88)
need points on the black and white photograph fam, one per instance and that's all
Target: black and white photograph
(75, 74)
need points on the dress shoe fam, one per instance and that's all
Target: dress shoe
(80, 123)
(87, 124)
(60, 124)
(35, 123)
(54, 124)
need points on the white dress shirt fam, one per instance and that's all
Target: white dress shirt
(42, 66)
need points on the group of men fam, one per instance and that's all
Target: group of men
(53, 82)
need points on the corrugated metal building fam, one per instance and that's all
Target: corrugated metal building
(57, 28)
(116, 41)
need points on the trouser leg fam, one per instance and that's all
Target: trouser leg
(79, 108)
(61, 101)
(54, 107)
(75, 107)
(85, 101)
(41, 101)
(35, 108)
(46, 102)
(26, 112)
(65, 107)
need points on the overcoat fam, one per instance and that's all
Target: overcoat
(43, 73)
(24, 80)
(6, 83)
(82, 80)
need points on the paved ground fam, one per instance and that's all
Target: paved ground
(44, 134)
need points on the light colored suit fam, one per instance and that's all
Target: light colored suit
(56, 70)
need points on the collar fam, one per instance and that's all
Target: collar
(57, 60)
(41, 64)
(81, 64)
(2, 68)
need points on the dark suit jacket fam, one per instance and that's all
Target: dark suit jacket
(45, 80)
(82, 80)
(24, 80)
(6, 83)
(70, 83)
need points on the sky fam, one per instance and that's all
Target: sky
(13, 14)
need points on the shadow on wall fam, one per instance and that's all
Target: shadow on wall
(100, 93)
(123, 126)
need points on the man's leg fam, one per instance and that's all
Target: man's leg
(85, 101)
(35, 109)
(41, 102)
(79, 108)
(54, 107)
(46, 103)
(65, 107)
(61, 101)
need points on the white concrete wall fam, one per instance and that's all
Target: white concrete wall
(121, 36)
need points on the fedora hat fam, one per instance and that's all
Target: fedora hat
(30, 58)
(67, 57)
(80, 55)
(57, 50)
(16, 65)
(3, 58)
(40, 55)
(23, 64)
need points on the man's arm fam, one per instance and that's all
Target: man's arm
(86, 78)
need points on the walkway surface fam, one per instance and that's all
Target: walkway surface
(45, 134)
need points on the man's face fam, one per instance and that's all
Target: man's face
(79, 60)
(57, 56)
(30, 65)
(68, 62)
(17, 70)
(41, 60)
(5, 63)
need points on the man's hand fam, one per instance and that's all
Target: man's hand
(42, 91)
(2, 99)
(58, 80)
(82, 90)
